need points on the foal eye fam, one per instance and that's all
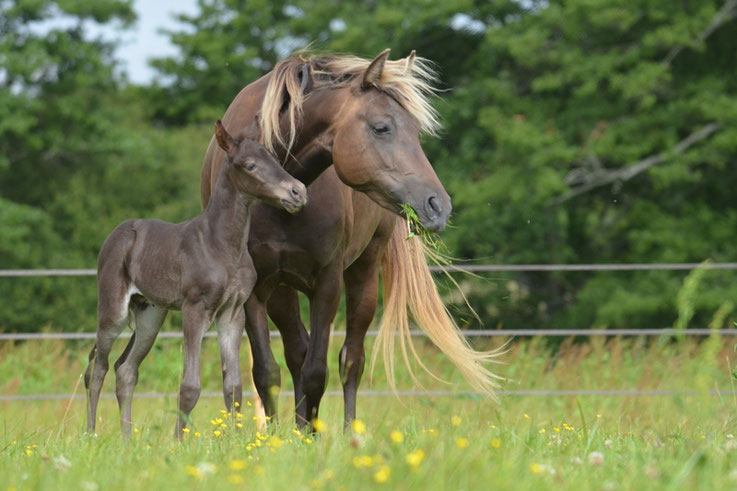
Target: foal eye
(380, 129)
(250, 166)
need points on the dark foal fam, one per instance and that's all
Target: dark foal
(201, 267)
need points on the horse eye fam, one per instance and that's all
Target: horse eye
(251, 166)
(380, 129)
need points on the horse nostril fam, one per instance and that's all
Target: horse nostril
(296, 192)
(434, 206)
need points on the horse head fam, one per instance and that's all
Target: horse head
(376, 145)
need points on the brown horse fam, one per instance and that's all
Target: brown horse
(201, 267)
(363, 118)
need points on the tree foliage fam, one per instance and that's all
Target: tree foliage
(585, 131)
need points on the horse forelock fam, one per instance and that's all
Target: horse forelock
(411, 86)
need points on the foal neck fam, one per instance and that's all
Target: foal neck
(227, 214)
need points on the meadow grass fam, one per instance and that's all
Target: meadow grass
(453, 442)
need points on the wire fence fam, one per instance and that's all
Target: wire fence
(464, 268)
(460, 268)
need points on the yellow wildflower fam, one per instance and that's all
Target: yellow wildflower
(248, 403)
(359, 427)
(194, 472)
(223, 426)
(29, 452)
(275, 442)
(396, 436)
(455, 421)
(216, 433)
(237, 404)
(135, 430)
(527, 416)
(319, 425)
(197, 434)
(184, 430)
(307, 441)
(496, 443)
(238, 416)
(237, 465)
(239, 425)
(557, 430)
(414, 459)
(363, 461)
(462, 442)
(433, 432)
(236, 479)
(536, 468)
(382, 475)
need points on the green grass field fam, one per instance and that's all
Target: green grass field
(455, 442)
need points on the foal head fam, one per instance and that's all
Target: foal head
(258, 173)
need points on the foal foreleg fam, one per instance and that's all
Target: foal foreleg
(230, 333)
(195, 321)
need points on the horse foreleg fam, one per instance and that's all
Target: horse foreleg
(265, 369)
(361, 295)
(283, 308)
(323, 307)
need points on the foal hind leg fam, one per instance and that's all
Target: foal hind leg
(148, 319)
(110, 324)
(283, 308)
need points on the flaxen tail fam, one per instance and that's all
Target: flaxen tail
(409, 290)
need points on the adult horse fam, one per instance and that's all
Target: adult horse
(349, 128)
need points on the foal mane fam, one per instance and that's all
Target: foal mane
(411, 86)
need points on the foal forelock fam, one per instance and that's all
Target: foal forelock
(412, 87)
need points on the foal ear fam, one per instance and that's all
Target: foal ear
(373, 72)
(225, 141)
(410, 61)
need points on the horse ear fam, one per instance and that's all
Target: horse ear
(253, 132)
(225, 141)
(373, 72)
(410, 61)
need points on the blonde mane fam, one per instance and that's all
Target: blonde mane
(411, 86)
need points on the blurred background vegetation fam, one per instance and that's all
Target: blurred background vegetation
(584, 131)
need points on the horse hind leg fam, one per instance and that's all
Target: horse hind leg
(148, 319)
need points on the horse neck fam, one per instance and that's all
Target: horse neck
(312, 151)
(227, 213)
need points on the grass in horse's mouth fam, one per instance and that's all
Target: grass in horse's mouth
(416, 228)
